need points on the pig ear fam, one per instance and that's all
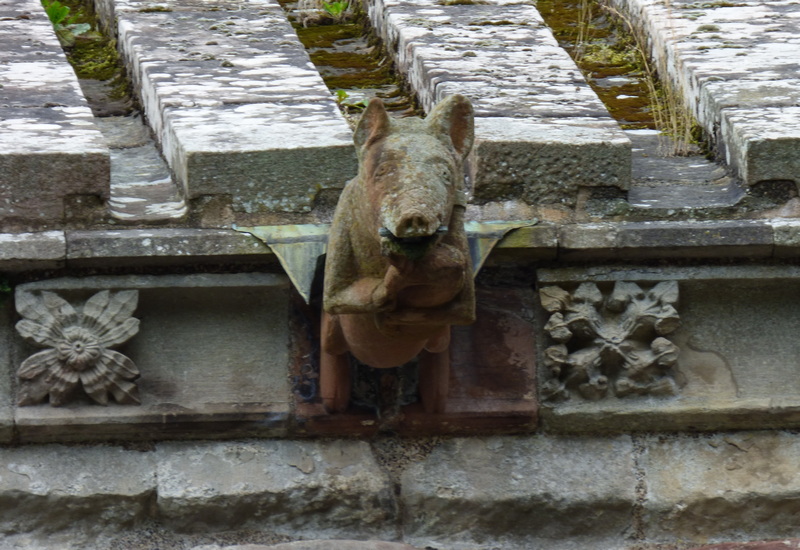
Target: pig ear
(373, 124)
(453, 118)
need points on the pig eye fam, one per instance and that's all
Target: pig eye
(447, 176)
(383, 170)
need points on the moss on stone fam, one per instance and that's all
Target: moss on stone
(324, 36)
(94, 56)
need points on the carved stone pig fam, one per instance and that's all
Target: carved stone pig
(398, 271)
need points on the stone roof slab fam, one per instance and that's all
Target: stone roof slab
(39, 84)
(746, 94)
(763, 144)
(736, 65)
(236, 103)
(269, 157)
(47, 154)
(547, 159)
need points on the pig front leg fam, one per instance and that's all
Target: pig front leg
(366, 295)
(353, 283)
(334, 366)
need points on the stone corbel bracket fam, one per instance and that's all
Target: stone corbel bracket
(77, 342)
(610, 344)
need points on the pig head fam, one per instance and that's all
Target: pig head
(398, 271)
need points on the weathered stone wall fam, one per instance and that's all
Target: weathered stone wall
(540, 491)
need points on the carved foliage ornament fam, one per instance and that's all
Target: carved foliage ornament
(78, 342)
(610, 344)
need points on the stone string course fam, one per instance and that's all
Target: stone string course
(634, 240)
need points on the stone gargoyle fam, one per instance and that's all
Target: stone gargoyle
(398, 271)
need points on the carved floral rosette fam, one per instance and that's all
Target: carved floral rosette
(610, 344)
(77, 342)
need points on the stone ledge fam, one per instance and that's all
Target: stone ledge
(20, 251)
(640, 240)
(318, 545)
(162, 245)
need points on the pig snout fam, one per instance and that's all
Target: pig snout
(412, 236)
(416, 224)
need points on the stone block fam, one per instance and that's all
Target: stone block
(49, 146)
(408, 24)
(731, 64)
(521, 493)
(309, 489)
(504, 58)
(212, 351)
(541, 132)
(51, 489)
(21, 251)
(762, 144)
(547, 160)
(40, 84)
(317, 545)
(560, 96)
(786, 236)
(47, 154)
(115, 8)
(267, 157)
(721, 487)
(6, 372)
(539, 241)
(737, 352)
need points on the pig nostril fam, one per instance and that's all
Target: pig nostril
(412, 226)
